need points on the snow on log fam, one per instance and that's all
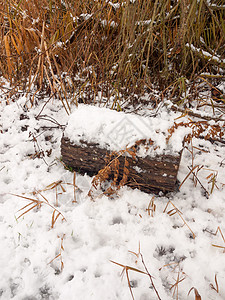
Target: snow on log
(93, 133)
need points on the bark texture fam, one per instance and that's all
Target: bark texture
(149, 174)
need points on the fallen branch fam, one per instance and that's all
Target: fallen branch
(193, 114)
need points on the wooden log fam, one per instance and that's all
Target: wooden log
(94, 133)
(149, 174)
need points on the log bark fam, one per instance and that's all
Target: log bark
(149, 174)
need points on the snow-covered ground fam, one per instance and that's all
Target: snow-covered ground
(73, 260)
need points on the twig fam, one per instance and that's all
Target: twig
(150, 276)
(187, 176)
(174, 211)
(38, 115)
(193, 114)
(126, 269)
(196, 177)
(50, 119)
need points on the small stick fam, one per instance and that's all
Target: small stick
(150, 276)
(74, 188)
(207, 194)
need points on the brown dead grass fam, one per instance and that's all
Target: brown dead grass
(70, 47)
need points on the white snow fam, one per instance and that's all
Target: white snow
(96, 232)
(206, 54)
(117, 130)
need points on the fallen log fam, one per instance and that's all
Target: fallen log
(153, 172)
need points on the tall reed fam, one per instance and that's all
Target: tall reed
(66, 48)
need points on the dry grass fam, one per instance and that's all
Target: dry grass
(175, 211)
(174, 268)
(151, 207)
(36, 204)
(81, 51)
(111, 170)
(197, 296)
(126, 270)
(39, 199)
(59, 255)
(219, 231)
